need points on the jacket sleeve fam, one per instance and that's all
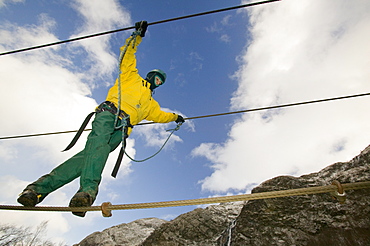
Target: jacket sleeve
(159, 116)
(128, 63)
(128, 71)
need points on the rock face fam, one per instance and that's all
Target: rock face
(133, 233)
(297, 220)
(198, 227)
(310, 219)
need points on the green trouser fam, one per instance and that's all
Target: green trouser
(87, 164)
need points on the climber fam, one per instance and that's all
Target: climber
(136, 104)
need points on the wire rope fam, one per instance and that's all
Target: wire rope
(333, 189)
(212, 115)
(132, 27)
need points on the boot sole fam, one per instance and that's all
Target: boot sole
(79, 202)
(26, 201)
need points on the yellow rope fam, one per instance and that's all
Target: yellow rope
(107, 207)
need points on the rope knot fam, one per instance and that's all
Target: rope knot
(106, 212)
(340, 194)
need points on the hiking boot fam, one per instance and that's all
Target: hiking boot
(29, 198)
(81, 199)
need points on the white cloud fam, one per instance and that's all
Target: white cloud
(156, 134)
(213, 28)
(57, 223)
(225, 38)
(45, 91)
(16, 37)
(196, 61)
(99, 16)
(41, 94)
(226, 20)
(300, 50)
(220, 28)
(4, 3)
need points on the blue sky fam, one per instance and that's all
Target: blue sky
(283, 52)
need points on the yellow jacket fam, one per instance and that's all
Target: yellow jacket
(136, 97)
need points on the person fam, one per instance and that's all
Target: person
(136, 104)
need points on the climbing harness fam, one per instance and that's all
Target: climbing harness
(105, 106)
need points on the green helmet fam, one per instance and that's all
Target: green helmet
(151, 77)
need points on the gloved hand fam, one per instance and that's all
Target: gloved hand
(141, 26)
(179, 119)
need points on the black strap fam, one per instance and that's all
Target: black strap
(118, 162)
(120, 156)
(79, 132)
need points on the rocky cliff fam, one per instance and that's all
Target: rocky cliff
(133, 233)
(298, 220)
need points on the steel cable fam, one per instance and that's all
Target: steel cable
(213, 115)
(132, 27)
